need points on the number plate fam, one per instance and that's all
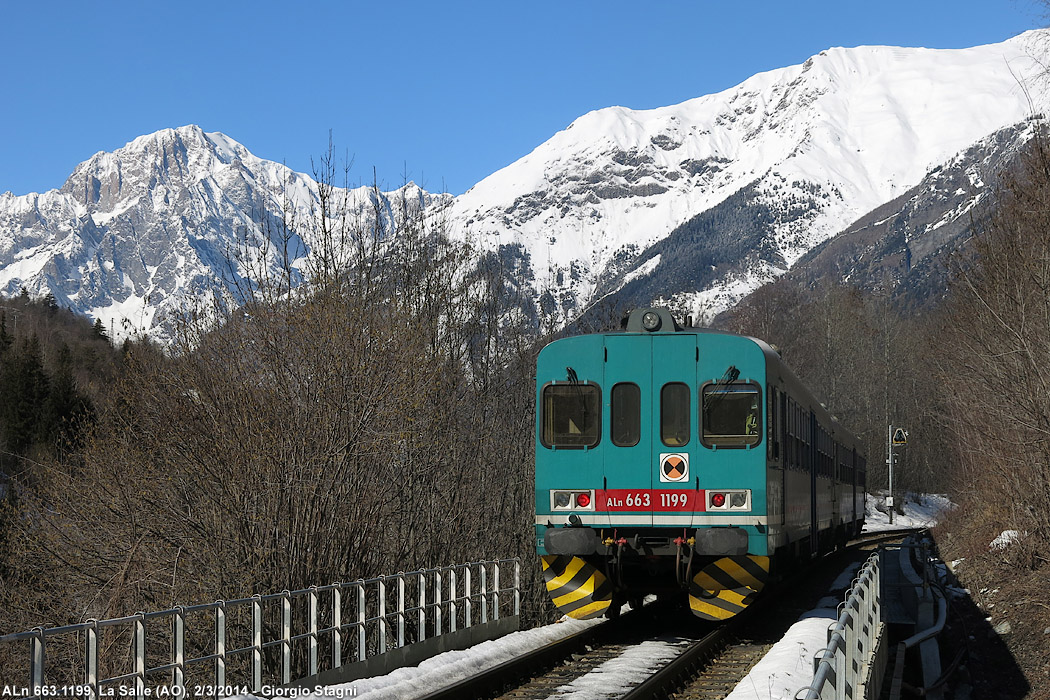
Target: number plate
(648, 500)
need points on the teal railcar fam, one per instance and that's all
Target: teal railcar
(682, 462)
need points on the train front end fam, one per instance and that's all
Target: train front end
(651, 470)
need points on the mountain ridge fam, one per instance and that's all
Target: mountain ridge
(695, 204)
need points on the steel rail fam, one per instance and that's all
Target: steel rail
(504, 676)
(686, 665)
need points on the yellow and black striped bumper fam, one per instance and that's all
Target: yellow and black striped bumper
(577, 588)
(725, 587)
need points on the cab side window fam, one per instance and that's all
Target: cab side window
(732, 415)
(571, 415)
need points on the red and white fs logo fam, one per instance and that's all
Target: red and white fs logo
(674, 467)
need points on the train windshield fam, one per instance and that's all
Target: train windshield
(731, 415)
(571, 415)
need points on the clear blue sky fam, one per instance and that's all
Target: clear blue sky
(445, 93)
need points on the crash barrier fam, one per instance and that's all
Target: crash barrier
(853, 663)
(927, 606)
(262, 644)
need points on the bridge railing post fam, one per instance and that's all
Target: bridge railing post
(452, 592)
(220, 643)
(36, 662)
(381, 616)
(257, 648)
(178, 642)
(140, 656)
(313, 630)
(468, 604)
(495, 590)
(91, 658)
(400, 609)
(484, 594)
(337, 625)
(362, 621)
(437, 603)
(517, 587)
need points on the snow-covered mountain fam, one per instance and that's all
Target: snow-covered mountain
(136, 236)
(901, 248)
(696, 203)
(701, 202)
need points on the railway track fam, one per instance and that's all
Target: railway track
(661, 652)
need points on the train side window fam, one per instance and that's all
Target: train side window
(674, 414)
(772, 417)
(732, 415)
(626, 415)
(571, 415)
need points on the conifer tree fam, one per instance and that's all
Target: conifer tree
(24, 387)
(5, 339)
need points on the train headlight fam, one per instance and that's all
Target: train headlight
(738, 499)
(561, 499)
(651, 321)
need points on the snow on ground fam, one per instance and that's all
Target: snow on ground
(920, 510)
(445, 669)
(785, 669)
(1005, 539)
(615, 677)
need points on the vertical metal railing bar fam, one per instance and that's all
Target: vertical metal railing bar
(400, 609)
(313, 630)
(37, 657)
(362, 638)
(484, 596)
(178, 643)
(220, 644)
(453, 609)
(381, 617)
(337, 626)
(286, 637)
(517, 587)
(437, 603)
(257, 648)
(468, 604)
(91, 658)
(422, 607)
(495, 590)
(140, 656)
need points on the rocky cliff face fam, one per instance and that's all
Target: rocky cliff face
(136, 236)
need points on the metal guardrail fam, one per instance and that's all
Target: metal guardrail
(849, 667)
(261, 643)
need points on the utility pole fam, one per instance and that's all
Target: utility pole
(897, 436)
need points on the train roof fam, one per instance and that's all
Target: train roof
(660, 320)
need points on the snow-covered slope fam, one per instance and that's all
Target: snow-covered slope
(696, 203)
(809, 149)
(135, 236)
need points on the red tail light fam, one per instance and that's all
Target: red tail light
(583, 500)
(718, 500)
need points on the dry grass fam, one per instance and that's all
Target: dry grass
(1005, 622)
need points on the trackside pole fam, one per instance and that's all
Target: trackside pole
(897, 436)
(889, 462)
